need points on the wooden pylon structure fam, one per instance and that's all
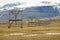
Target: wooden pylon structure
(14, 20)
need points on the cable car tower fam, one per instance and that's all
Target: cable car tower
(15, 19)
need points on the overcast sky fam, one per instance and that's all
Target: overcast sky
(27, 3)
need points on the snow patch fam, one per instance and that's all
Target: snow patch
(20, 34)
(52, 33)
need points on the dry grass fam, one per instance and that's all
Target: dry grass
(54, 26)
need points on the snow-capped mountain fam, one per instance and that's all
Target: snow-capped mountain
(9, 6)
(42, 10)
(24, 5)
